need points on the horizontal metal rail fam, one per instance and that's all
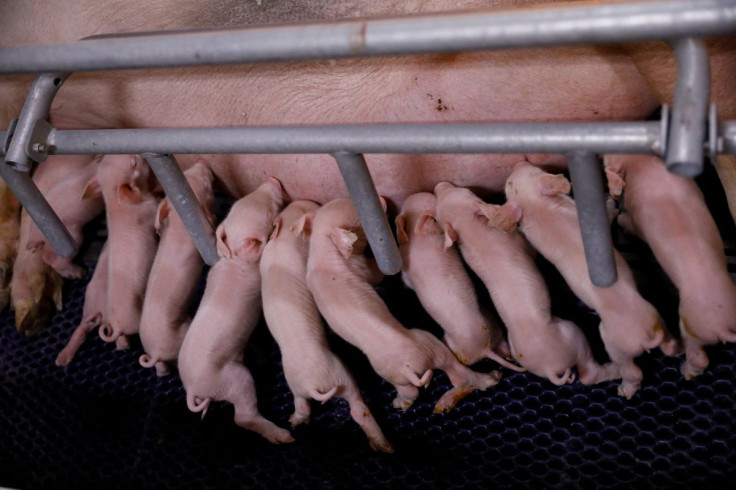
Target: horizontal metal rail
(466, 31)
(597, 137)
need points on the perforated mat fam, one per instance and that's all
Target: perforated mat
(105, 422)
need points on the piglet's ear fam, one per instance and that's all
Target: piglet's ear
(303, 226)
(507, 217)
(92, 189)
(277, 223)
(223, 250)
(553, 184)
(401, 229)
(450, 236)
(616, 182)
(161, 214)
(129, 194)
(344, 240)
(427, 225)
(383, 203)
(249, 249)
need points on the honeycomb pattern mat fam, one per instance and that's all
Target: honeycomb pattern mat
(105, 422)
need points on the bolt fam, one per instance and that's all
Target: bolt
(39, 148)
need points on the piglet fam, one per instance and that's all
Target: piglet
(211, 356)
(338, 275)
(629, 324)
(35, 288)
(174, 277)
(310, 368)
(492, 247)
(444, 289)
(669, 213)
(93, 311)
(66, 199)
(125, 183)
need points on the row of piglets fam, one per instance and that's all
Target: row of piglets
(299, 265)
(498, 242)
(308, 262)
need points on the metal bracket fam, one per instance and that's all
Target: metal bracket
(687, 132)
(28, 142)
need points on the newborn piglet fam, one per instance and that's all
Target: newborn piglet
(338, 275)
(444, 289)
(125, 183)
(174, 277)
(74, 210)
(310, 368)
(211, 356)
(669, 213)
(490, 244)
(629, 324)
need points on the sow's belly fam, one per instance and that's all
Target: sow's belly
(564, 84)
(396, 177)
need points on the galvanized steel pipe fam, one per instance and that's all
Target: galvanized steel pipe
(185, 203)
(463, 31)
(40, 211)
(372, 216)
(596, 137)
(590, 202)
(687, 131)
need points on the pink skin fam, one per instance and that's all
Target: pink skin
(669, 213)
(443, 286)
(35, 287)
(353, 309)
(629, 324)
(310, 368)
(66, 199)
(504, 85)
(546, 345)
(174, 276)
(125, 183)
(93, 312)
(211, 356)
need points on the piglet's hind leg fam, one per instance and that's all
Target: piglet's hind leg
(363, 416)
(243, 396)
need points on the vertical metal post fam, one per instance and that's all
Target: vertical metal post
(185, 203)
(687, 133)
(365, 199)
(39, 210)
(587, 184)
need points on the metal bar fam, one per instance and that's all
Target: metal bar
(185, 203)
(40, 211)
(35, 110)
(463, 31)
(587, 184)
(639, 137)
(597, 137)
(372, 216)
(687, 132)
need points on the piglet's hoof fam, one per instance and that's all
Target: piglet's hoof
(628, 390)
